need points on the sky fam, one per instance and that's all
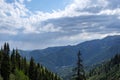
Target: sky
(38, 24)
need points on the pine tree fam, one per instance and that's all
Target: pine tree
(37, 72)
(5, 65)
(32, 69)
(25, 66)
(13, 61)
(7, 48)
(79, 71)
(0, 60)
(18, 60)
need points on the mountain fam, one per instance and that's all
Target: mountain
(93, 52)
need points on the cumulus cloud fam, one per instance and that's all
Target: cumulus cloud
(79, 21)
(17, 16)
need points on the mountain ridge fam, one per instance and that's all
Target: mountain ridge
(93, 52)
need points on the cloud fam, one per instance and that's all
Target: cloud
(85, 36)
(3, 31)
(79, 21)
(17, 16)
(50, 28)
(61, 41)
(21, 1)
(43, 28)
(110, 12)
(29, 0)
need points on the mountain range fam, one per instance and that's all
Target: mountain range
(93, 52)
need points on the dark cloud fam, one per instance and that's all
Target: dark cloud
(93, 23)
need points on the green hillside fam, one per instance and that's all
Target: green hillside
(15, 67)
(109, 70)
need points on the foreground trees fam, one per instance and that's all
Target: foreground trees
(5, 63)
(15, 67)
(79, 73)
(32, 70)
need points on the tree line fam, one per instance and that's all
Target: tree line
(15, 67)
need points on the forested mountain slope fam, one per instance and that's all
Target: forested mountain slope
(15, 67)
(109, 70)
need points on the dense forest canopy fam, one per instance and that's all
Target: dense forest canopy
(15, 67)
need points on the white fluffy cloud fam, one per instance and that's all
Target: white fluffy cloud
(21, 1)
(17, 16)
(78, 22)
(110, 12)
